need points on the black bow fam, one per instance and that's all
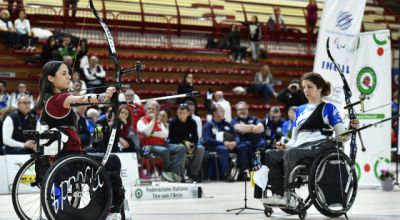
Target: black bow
(349, 106)
(114, 99)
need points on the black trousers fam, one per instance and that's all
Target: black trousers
(18, 150)
(10, 38)
(280, 164)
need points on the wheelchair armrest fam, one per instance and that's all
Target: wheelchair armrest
(30, 133)
(52, 135)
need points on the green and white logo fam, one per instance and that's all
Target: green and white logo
(366, 81)
(138, 193)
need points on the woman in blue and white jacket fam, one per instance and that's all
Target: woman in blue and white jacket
(310, 120)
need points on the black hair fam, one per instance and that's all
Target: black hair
(190, 102)
(46, 87)
(3, 82)
(185, 76)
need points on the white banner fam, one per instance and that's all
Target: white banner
(165, 190)
(341, 22)
(372, 77)
(3, 174)
(13, 164)
(129, 168)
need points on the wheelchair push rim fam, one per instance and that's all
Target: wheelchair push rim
(71, 190)
(348, 178)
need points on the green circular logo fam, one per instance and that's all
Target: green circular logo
(366, 81)
(138, 193)
(376, 165)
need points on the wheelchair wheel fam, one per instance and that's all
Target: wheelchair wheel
(26, 192)
(268, 211)
(71, 190)
(327, 182)
(302, 211)
(300, 188)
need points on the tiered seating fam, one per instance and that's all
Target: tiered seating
(123, 6)
(165, 66)
(292, 10)
(197, 60)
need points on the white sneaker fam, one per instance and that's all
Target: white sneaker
(276, 200)
(114, 216)
(168, 176)
(177, 178)
(292, 202)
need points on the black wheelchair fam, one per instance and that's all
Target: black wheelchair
(59, 187)
(327, 181)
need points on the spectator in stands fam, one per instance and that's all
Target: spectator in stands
(92, 116)
(81, 56)
(70, 5)
(196, 118)
(239, 52)
(67, 48)
(76, 77)
(81, 125)
(24, 33)
(276, 21)
(129, 95)
(69, 61)
(183, 130)
(186, 86)
(288, 124)
(50, 51)
(137, 111)
(312, 15)
(249, 130)
(220, 100)
(7, 30)
(292, 95)
(164, 116)
(219, 136)
(273, 126)
(21, 91)
(95, 75)
(15, 124)
(263, 82)
(100, 125)
(5, 98)
(255, 28)
(14, 6)
(209, 103)
(125, 142)
(76, 88)
(3, 114)
(153, 140)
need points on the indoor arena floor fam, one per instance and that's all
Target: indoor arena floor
(219, 196)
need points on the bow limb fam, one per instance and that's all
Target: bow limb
(111, 45)
(352, 113)
(114, 99)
